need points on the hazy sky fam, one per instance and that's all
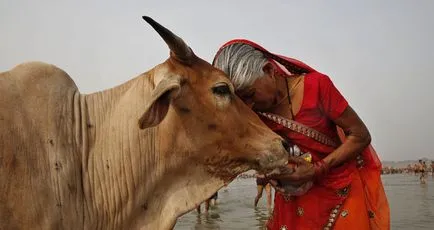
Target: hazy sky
(380, 54)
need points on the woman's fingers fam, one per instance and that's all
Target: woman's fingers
(276, 186)
(281, 172)
(274, 183)
(297, 160)
(302, 173)
(294, 177)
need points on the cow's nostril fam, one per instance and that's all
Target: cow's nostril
(285, 144)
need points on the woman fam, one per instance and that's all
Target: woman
(342, 185)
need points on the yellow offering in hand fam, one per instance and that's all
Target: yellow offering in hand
(307, 157)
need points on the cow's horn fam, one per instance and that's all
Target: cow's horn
(181, 50)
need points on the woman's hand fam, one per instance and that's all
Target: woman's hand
(296, 173)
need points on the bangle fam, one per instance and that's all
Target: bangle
(320, 168)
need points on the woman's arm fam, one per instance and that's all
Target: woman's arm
(358, 138)
(336, 108)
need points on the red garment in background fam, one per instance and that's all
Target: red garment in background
(350, 196)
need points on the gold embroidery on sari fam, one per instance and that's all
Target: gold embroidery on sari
(360, 161)
(344, 213)
(300, 128)
(332, 218)
(343, 192)
(300, 211)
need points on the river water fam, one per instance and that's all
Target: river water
(411, 204)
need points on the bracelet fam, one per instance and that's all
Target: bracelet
(320, 168)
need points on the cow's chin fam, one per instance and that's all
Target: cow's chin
(229, 168)
(229, 172)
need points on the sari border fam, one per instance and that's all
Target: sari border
(300, 128)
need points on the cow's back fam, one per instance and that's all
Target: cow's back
(39, 156)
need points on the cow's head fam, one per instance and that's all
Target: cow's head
(206, 135)
(213, 126)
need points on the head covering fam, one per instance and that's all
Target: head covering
(283, 64)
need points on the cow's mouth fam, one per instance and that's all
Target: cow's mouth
(270, 162)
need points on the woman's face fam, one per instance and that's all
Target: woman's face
(262, 95)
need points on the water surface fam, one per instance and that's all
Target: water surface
(411, 204)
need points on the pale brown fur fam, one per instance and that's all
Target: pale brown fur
(74, 161)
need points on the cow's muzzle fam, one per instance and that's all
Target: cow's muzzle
(276, 157)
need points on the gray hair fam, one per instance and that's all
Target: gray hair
(242, 63)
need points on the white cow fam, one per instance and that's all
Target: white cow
(135, 156)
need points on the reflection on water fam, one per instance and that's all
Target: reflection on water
(411, 204)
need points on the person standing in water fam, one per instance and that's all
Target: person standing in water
(432, 168)
(261, 184)
(422, 170)
(211, 201)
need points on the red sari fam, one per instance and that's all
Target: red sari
(348, 197)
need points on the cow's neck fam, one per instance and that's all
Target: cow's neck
(113, 166)
(177, 193)
(133, 175)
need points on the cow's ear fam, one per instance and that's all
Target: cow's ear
(158, 105)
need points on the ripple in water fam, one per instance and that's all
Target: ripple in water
(411, 205)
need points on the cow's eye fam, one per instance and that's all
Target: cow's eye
(222, 89)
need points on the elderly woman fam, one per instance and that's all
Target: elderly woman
(339, 187)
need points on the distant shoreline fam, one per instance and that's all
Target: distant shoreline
(401, 164)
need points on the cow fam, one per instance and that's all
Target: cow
(136, 156)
